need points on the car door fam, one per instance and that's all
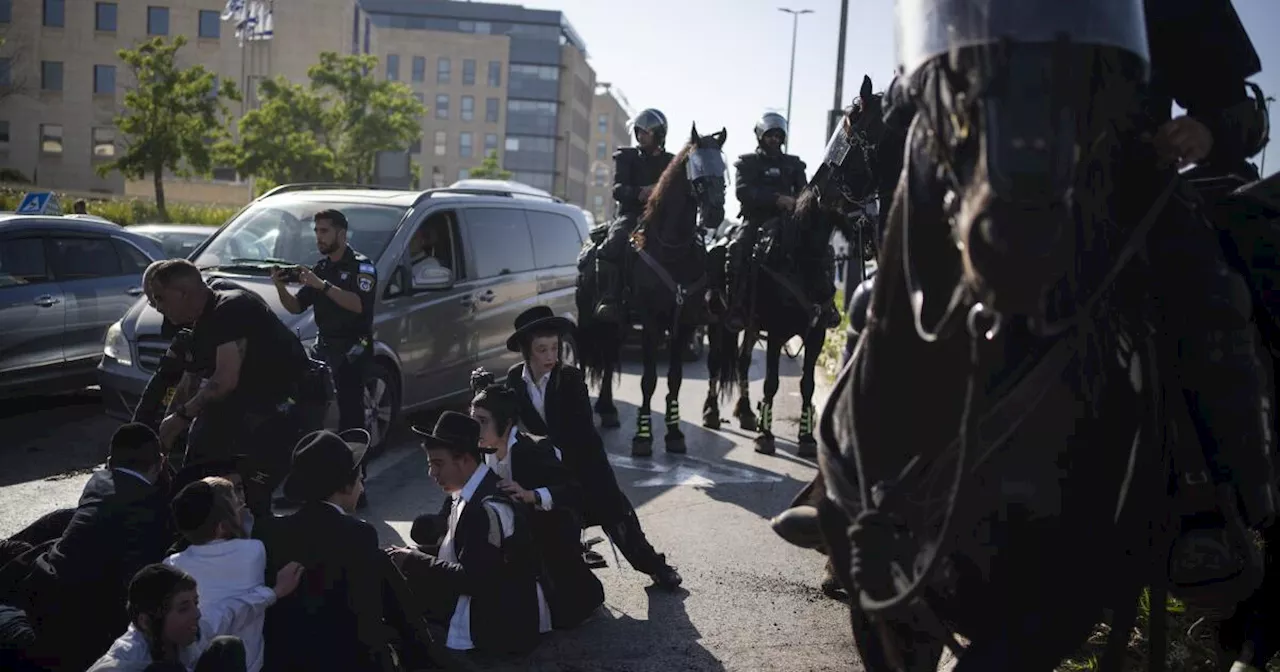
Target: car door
(99, 288)
(32, 310)
(556, 244)
(429, 329)
(505, 278)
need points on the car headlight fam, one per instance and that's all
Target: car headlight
(116, 346)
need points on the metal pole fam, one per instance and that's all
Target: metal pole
(795, 26)
(1266, 106)
(838, 105)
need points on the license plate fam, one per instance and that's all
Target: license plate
(168, 396)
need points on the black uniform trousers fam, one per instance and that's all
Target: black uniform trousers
(265, 435)
(349, 376)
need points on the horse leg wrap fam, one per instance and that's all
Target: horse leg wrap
(644, 426)
(765, 423)
(806, 446)
(673, 412)
(806, 420)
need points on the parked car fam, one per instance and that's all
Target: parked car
(63, 282)
(177, 240)
(430, 333)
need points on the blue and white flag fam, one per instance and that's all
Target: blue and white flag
(234, 11)
(254, 19)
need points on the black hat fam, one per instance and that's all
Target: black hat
(218, 466)
(453, 430)
(193, 506)
(537, 318)
(323, 463)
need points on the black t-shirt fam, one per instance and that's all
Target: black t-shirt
(274, 360)
(354, 272)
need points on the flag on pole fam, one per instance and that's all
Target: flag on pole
(253, 19)
(234, 11)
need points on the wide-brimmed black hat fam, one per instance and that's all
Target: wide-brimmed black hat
(452, 430)
(538, 318)
(323, 462)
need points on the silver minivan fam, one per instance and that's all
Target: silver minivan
(501, 249)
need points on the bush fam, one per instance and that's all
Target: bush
(833, 344)
(134, 211)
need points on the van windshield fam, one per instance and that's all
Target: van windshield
(280, 231)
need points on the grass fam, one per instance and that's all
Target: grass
(833, 344)
(133, 210)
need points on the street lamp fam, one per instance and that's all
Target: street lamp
(795, 25)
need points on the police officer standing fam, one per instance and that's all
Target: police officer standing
(635, 171)
(768, 183)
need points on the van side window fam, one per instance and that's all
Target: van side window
(501, 240)
(556, 241)
(437, 238)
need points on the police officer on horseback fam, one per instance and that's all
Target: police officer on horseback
(768, 183)
(636, 170)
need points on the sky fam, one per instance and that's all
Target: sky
(723, 63)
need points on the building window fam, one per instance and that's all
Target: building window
(104, 142)
(104, 17)
(495, 73)
(444, 71)
(463, 174)
(104, 79)
(51, 75)
(602, 150)
(157, 20)
(6, 68)
(464, 145)
(419, 69)
(437, 177)
(51, 138)
(55, 13)
(491, 110)
(6, 13)
(210, 24)
(442, 143)
(599, 200)
(4, 134)
(442, 106)
(468, 71)
(601, 176)
(393, 67)
(602, 124)
(468, 111)
(490, 143)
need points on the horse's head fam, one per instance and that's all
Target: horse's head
(695, 176)
(846, 181)
(1017, 100)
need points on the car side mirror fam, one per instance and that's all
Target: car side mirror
(429, 278)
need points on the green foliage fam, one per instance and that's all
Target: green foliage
(833, 344)
(173, 116)
(489, 169)
(329, 130)
(135, 211)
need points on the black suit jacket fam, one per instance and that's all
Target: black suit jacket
(499, 574)
(570, 425)
(333, 621)
(77, 588)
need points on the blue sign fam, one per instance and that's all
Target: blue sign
(39, 203)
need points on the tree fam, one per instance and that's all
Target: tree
(13, 72)
(489, 169)
(329, 130)
(173, 116)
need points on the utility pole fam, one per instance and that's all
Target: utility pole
(837, 107)
(795, 25)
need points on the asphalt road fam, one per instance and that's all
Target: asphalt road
(750, 601)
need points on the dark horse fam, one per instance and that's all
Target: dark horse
(778, 303)
(1009, 303)
(668, 284)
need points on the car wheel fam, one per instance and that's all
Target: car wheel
(381, 403)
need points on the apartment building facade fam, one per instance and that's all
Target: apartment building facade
(610, 130)
(494, 78)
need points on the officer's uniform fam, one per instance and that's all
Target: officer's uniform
(762, 178)
(346, 338)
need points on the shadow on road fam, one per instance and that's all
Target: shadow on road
(52, 436)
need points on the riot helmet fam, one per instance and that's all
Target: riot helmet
(653, 121)
(771, 121)
(926, 29)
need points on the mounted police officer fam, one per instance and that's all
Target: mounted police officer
(768, 182)
(341, 286)
(635, 171)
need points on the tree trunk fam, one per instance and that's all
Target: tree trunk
(158, 177)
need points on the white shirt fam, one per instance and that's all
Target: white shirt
(225, 570)
(537, 391)
(503, 469)
(460, 625)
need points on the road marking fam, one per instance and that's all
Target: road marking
(692, 471)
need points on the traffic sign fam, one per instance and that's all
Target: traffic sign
(39, 203)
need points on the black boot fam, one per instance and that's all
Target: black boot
(609, 280)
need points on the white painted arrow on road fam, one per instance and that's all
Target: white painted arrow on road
(691, 471)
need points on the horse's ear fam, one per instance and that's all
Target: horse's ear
(721, 137)
(693, 134)
(867, 89)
